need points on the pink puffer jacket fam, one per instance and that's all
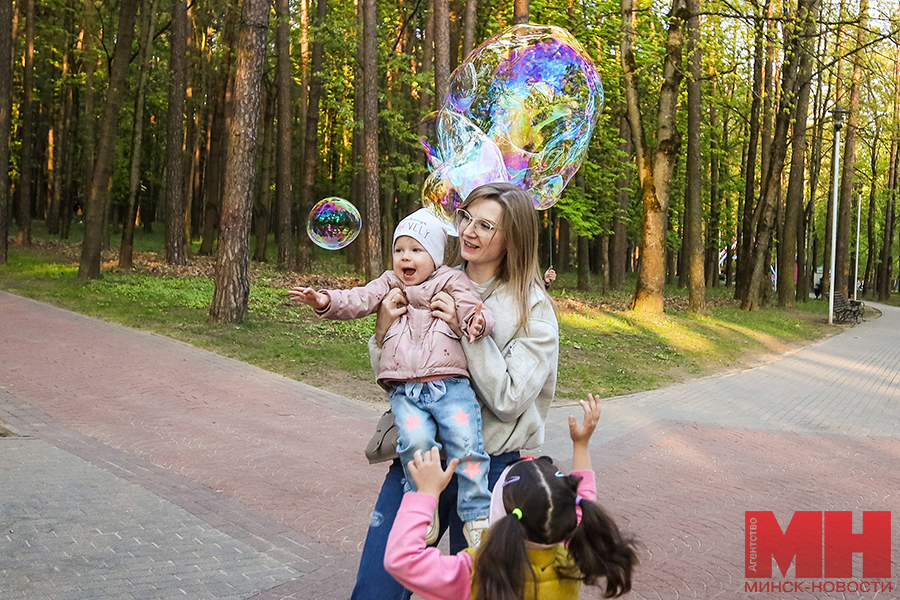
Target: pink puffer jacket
(417, 346)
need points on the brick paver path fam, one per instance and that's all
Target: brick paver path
(145, 468)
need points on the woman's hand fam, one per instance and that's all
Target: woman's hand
(444, 308)
(428, 474)
(310, 297)
(581, 434)
(392, 306)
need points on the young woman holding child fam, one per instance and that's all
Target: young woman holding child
(513, 370)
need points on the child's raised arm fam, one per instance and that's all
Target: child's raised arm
(425, 469)
(581, 434)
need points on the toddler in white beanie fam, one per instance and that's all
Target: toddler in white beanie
(423, 365)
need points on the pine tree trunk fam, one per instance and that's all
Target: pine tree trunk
(715, 200)
(887, 255)
(89, 266)
(24, 188)
(148, 19)
(262, 201)
(175, 254)
(619, 246)
(6, 16)
(441, 51)
(311, 144)
(232, 279)
(284, 230)
(469, 28)
(520, 11)
(373, 262)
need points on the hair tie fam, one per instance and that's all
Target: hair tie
(578, 500)
(510, 480)
(517, 513)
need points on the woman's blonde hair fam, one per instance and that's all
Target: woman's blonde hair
(519, 268)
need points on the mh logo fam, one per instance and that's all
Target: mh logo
(821, 544)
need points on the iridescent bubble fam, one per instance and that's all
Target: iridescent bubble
(333, 223)
(532, 91)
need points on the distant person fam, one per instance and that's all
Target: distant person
(548, 535)
(549, 277)
(423, 366)
(817, 289)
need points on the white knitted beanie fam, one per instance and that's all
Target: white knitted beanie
(426, 229)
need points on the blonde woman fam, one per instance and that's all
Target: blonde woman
(513, 371)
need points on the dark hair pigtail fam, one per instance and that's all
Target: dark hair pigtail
(502, 564)
(600, 551)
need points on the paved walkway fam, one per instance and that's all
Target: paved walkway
(145, 468)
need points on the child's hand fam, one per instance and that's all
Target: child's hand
(580, 434)
(476, 325)
(428, 474)
(310, 296)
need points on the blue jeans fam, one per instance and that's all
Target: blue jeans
(372, 581)
(445, 409)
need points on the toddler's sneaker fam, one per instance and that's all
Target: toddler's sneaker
(434, 528)
(473, 530)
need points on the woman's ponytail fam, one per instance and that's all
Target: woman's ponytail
(502, 565)
(600, 551)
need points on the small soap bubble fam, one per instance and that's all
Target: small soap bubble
(333, 223)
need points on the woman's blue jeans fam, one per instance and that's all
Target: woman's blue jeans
(372, 581)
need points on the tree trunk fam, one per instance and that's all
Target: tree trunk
(712, 225)
(6, 79)
(373, 262)
(262, 201)
(619, 249)
(25, 185)
(798, 32)
(89, 266)
(148, 19)
(311, 144)
(848, 166)
(520, 11)
(175, 254)
(887, 254)
(232, 279)
(655, 173)
(584, 263)
(441, 51)
(872, 252)
(469, 28)
(787, 265)
(744, 252)
(693, 199)
(284, 230)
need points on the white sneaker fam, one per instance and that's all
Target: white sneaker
(473, 530)
(434, 528)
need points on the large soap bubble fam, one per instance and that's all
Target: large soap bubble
(535, 94)
(333, 223)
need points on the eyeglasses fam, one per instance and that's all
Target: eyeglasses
(483, 227)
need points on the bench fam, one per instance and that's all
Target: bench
(846, 309)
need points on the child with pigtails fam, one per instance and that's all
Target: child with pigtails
(547, 537)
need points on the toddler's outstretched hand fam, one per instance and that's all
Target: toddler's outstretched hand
(426, 471)
(583, 432)
(310, 296)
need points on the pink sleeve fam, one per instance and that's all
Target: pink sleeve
(420, 569)
(587, 488)
(358, 302)
(467, 301)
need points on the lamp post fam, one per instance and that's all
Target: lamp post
(838, 115)
(858, 219)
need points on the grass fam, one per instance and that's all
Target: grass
(604, 348)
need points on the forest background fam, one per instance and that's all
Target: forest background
(712, 164)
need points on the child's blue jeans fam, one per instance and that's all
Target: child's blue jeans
(445, 409)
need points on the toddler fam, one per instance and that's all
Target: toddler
(423, 365)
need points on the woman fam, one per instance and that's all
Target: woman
(513, 371)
